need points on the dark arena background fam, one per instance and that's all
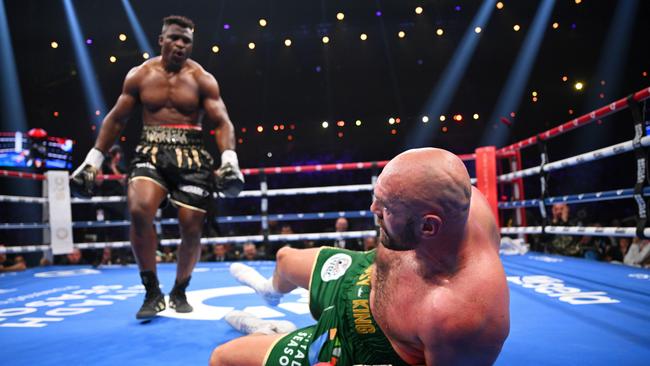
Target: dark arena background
(321, 95)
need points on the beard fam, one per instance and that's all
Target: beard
(404, 241)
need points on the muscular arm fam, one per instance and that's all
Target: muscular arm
(215, 110)
(115, 120)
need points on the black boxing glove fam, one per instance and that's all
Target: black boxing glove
(229, 178)
(83, 178)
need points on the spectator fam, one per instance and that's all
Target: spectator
(369, 243)
(107, 257)
(563, 244)
(72, 258)
(340, 226)
(220, 253)
(639, 253)
(14, 264)
(250, 252)
(168, 255)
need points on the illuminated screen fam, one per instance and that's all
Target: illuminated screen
(20, 151)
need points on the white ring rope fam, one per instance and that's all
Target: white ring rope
(629, 232)
(576, 160)
(204, 241)
(22, 199)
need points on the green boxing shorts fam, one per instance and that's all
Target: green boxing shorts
(345, 332)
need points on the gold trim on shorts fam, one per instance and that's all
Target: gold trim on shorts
(186, 205)
(142, 177)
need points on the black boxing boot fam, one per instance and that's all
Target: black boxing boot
(154, 300)
(177, 298)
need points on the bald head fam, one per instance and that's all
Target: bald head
(427, 182)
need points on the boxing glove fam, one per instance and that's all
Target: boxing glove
(229, 178)
(83, 178)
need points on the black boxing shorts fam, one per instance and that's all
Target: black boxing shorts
(174, 157)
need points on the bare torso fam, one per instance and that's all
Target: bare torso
(169, 97)
(445, 318)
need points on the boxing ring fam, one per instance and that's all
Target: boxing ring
(563, 310)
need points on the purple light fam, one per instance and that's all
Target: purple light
(457, 7)
(573, 25)
(89, 41)
(318, 69)
(378, 13)
(226, 26)
(420, 62)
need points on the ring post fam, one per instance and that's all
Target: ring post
(486, 177)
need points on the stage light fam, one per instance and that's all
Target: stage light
(358, 122)
(145, 55)
(644, 74)
(54, 45)
(393, 132)
(513, 114)
(340, 123)
(340, 16)
(287, 42)
(97, 112)
(281, 127)
(112, 59)
(325, 124)
(578, 1)
(262, 22)
(391, 121)
(226, 26)
(602, 82)
(477, 30)
(457, 8)
(55, 114)
(516, 27)
(499, 5)
(260, 128)
(251, 46)
(418, 10)
(401, 34)
(269, 154)
(275, 127)
(215, 49)
(89, 41)
(122, 37)
(243, 130)
(556, 25)
(475, 116)
(444, 129)
(565, 78)
(534, 93)
(440, 32)
(601, 95)
(363, 36)
(290, 137)
(425, 119)
(570, 111)
(378, 13)
(534, 99)
(340, 135)
(458, 117)
(326, 39)
(442, 118)
(579, 85)
(138, 32)
(240, 140)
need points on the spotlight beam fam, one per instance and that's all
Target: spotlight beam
(513, 90)
(140, 36)
(94, 97)
(446, 87)
(13, 112)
